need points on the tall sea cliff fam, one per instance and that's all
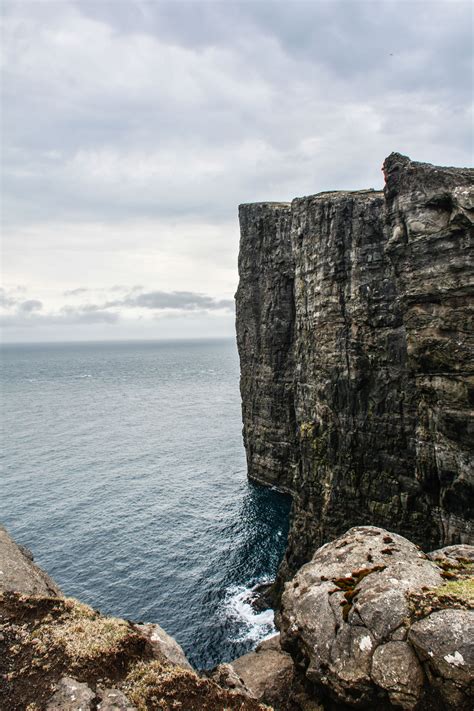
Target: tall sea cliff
(354, 328)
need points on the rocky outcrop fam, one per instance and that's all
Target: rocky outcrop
(265, 674)
(19, 573)
(373, 623)
(354, 329)
(165, 648)
(57, 654)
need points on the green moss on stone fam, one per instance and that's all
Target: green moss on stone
(460, 590)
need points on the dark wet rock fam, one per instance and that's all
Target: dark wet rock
(265, 323)
(354, 328)
(262, 597)
(355, 621)
(71, 695)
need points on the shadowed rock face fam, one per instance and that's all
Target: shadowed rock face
(354, 328)
(267, 674)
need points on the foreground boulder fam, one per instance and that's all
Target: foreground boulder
(372, 622)
(265, 674)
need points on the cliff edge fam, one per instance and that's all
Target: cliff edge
(354, 329)
(57, 654)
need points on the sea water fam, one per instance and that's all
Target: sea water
(124, 473)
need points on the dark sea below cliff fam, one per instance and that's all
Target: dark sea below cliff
(124, 473)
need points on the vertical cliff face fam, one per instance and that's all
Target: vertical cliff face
(356, 367)
(266, 319)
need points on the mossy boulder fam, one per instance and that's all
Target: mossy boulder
(359, 619)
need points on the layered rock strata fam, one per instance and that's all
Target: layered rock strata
(354, 329)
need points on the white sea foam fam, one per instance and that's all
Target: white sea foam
(254, 626)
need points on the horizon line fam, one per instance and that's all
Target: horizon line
(119, 340)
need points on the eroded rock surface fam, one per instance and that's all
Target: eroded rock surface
(354, 328)
(114, 700)
(361, 621)
(165, 648)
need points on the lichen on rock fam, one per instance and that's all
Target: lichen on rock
(402, 642)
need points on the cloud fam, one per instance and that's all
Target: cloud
(84, 314)
(30, 305)
(181, 300)
(75, 292)
(7, 300)
(269, 99)
(16, 313)
(69, 317)
(130, 138)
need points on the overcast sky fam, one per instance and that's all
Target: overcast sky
(132, 130)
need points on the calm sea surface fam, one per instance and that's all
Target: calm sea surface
(124, 472)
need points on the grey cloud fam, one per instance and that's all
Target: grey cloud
(267, 101)
(339, 34)
(30, 305)
(65, 317)
(81, 290)
(21, 313)
(179, 300)
(85, 314)
(10, 301)
(257, 80)
(75, 292)
(153, 300)
(7, 300)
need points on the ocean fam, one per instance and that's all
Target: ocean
(123, 470)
